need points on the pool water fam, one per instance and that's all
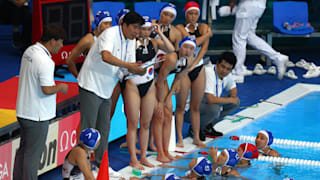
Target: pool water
(298, 120)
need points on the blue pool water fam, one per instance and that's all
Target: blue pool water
(298, 120)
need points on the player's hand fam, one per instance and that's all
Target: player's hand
(63, 88)
(213, 151)
(136, 69)
(235, 100)
(159, 110)
(156, 28)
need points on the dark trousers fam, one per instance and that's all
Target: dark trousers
(95, 112)
(211, 113)
(32, 142)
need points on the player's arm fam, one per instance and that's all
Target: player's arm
(83, 45)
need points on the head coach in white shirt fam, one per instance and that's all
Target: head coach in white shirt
(36, 101)
(214, 105)
(113, 51)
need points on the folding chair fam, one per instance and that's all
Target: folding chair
(112, 7)
(149, 8)
(287, 13)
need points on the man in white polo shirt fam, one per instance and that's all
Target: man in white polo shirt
(36, 101)
(214, 106)
(112, 54)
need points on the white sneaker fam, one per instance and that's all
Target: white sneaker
(272, 70)
(246, 71)
(312, 66)
(290, 64)
(258, 69)
(114, 174)
(290, 74)
(313, 71)
(282, 65)
(301, 64)
(238, 78)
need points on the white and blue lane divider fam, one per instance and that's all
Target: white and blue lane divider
(285, 160)
(284, 141)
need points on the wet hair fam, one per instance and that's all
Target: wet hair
(52, 31)
(133, 18)
(229, 57)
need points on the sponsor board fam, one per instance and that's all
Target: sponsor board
(49, 156)
(68, 128)
(15, 145)
(5, 162)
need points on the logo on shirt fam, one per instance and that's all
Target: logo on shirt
(150, 71)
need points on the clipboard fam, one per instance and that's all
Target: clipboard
(144, 66)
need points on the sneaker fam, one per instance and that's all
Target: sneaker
(312, 73)
(308, 66)
(202, 136)
(290, 74)
(301, 64)
(238, 78)
(246, 71)
(272, 70)
(114, 174)
(282, 65)
(290, 64)
(312, 66)
(258, 69)
(210, 131)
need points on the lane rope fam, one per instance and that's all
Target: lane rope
(288, 160)
(283, 141)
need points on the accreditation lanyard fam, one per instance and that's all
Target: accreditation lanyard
(217, 82)
(45, 50)
(125, 54)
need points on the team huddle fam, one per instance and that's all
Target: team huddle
(134, 59)
(160, 49)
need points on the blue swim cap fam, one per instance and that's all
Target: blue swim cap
(121, 14)
(171, 176)
(203, 167)
(147, 21)
(89, 137)
(102, 16)
(188, 40)
(169, 8)
(269, 135)
(233, 157)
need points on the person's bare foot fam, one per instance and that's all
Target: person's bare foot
(138, 151)
(163, 159)
(172, 158)
(136, 165)
(152, 147)
(145, 162)
(199, 144)
(179, 157)
(180, 144)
